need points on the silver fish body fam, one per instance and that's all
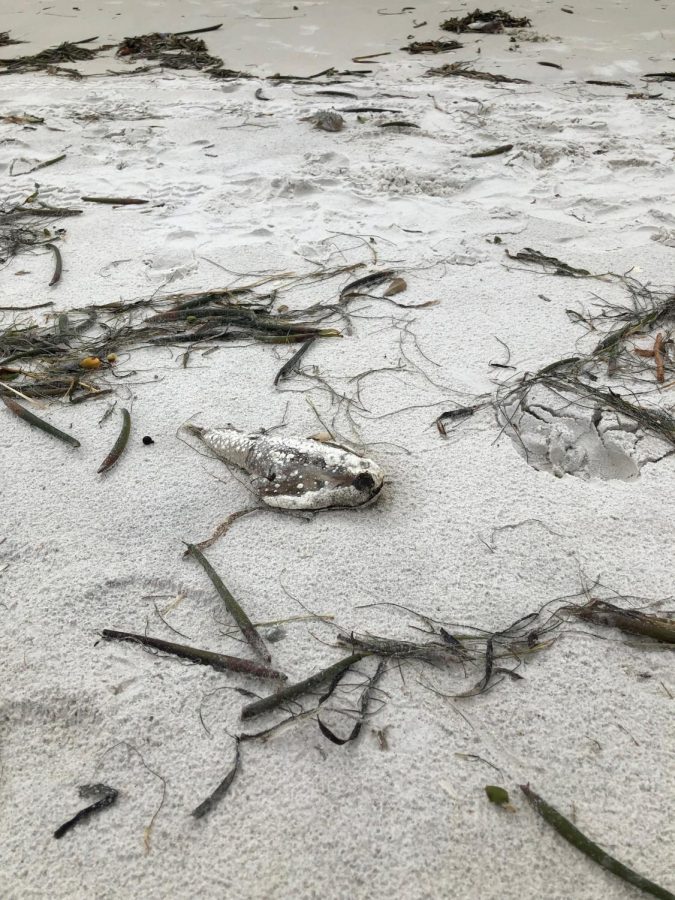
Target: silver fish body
(297, 473)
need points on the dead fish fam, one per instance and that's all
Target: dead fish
(296, 473)
(326, 120)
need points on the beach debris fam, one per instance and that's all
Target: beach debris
(6, 40)
(293, 691)
(246, 627)
(499, 796)
(491, 22)
(326, 120)
(120, 444)
(601, 83)
(355, 288)
(549, 64)
(260, 96)
(632, 621)
(369, 57)
(171, 50)
(657, 353)
(147, 440)
(296, 473)
(361, 713)
(432, 46)
(48, 60)
(528, 255)
(22, 413)
(106, 797)
(116, 201)
(289, 367)
(217, 661)
(214, 798)
(22, 230)
(23, 119)
(35, 167)
(400, 124)
(397, 286)
(495, 151)
(578, 839)
(336, 94)
(368, 109)
(462, 70)
(51, 358)
(660, 76)
(462, 412)
(58, 264)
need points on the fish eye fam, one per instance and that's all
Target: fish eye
(364, 482)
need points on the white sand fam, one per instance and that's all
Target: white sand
(590, 726)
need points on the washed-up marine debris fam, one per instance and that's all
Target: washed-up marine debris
(50, 58)
(491, 22)
(6, 40)
(432, 46)
(296, 473)
(326, 120)
(462, 70)
(171, 51)
(76, 357)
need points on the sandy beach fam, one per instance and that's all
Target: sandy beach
(533, 495)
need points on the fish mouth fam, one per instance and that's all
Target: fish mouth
(365, 482)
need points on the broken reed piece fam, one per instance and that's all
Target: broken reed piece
(107, 796)
(214, 798)
(301, 687)
(58, 264)
(368, 281)
(600, 612)
(496, 151)
(119, 445)
(37, 422)
(246, 627)
(203, 657)
(579, 840)
(115, 201)
(289, 366)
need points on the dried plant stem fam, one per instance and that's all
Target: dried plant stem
(246, 626)
(204, 657)
(579, 840)
(301, 687)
